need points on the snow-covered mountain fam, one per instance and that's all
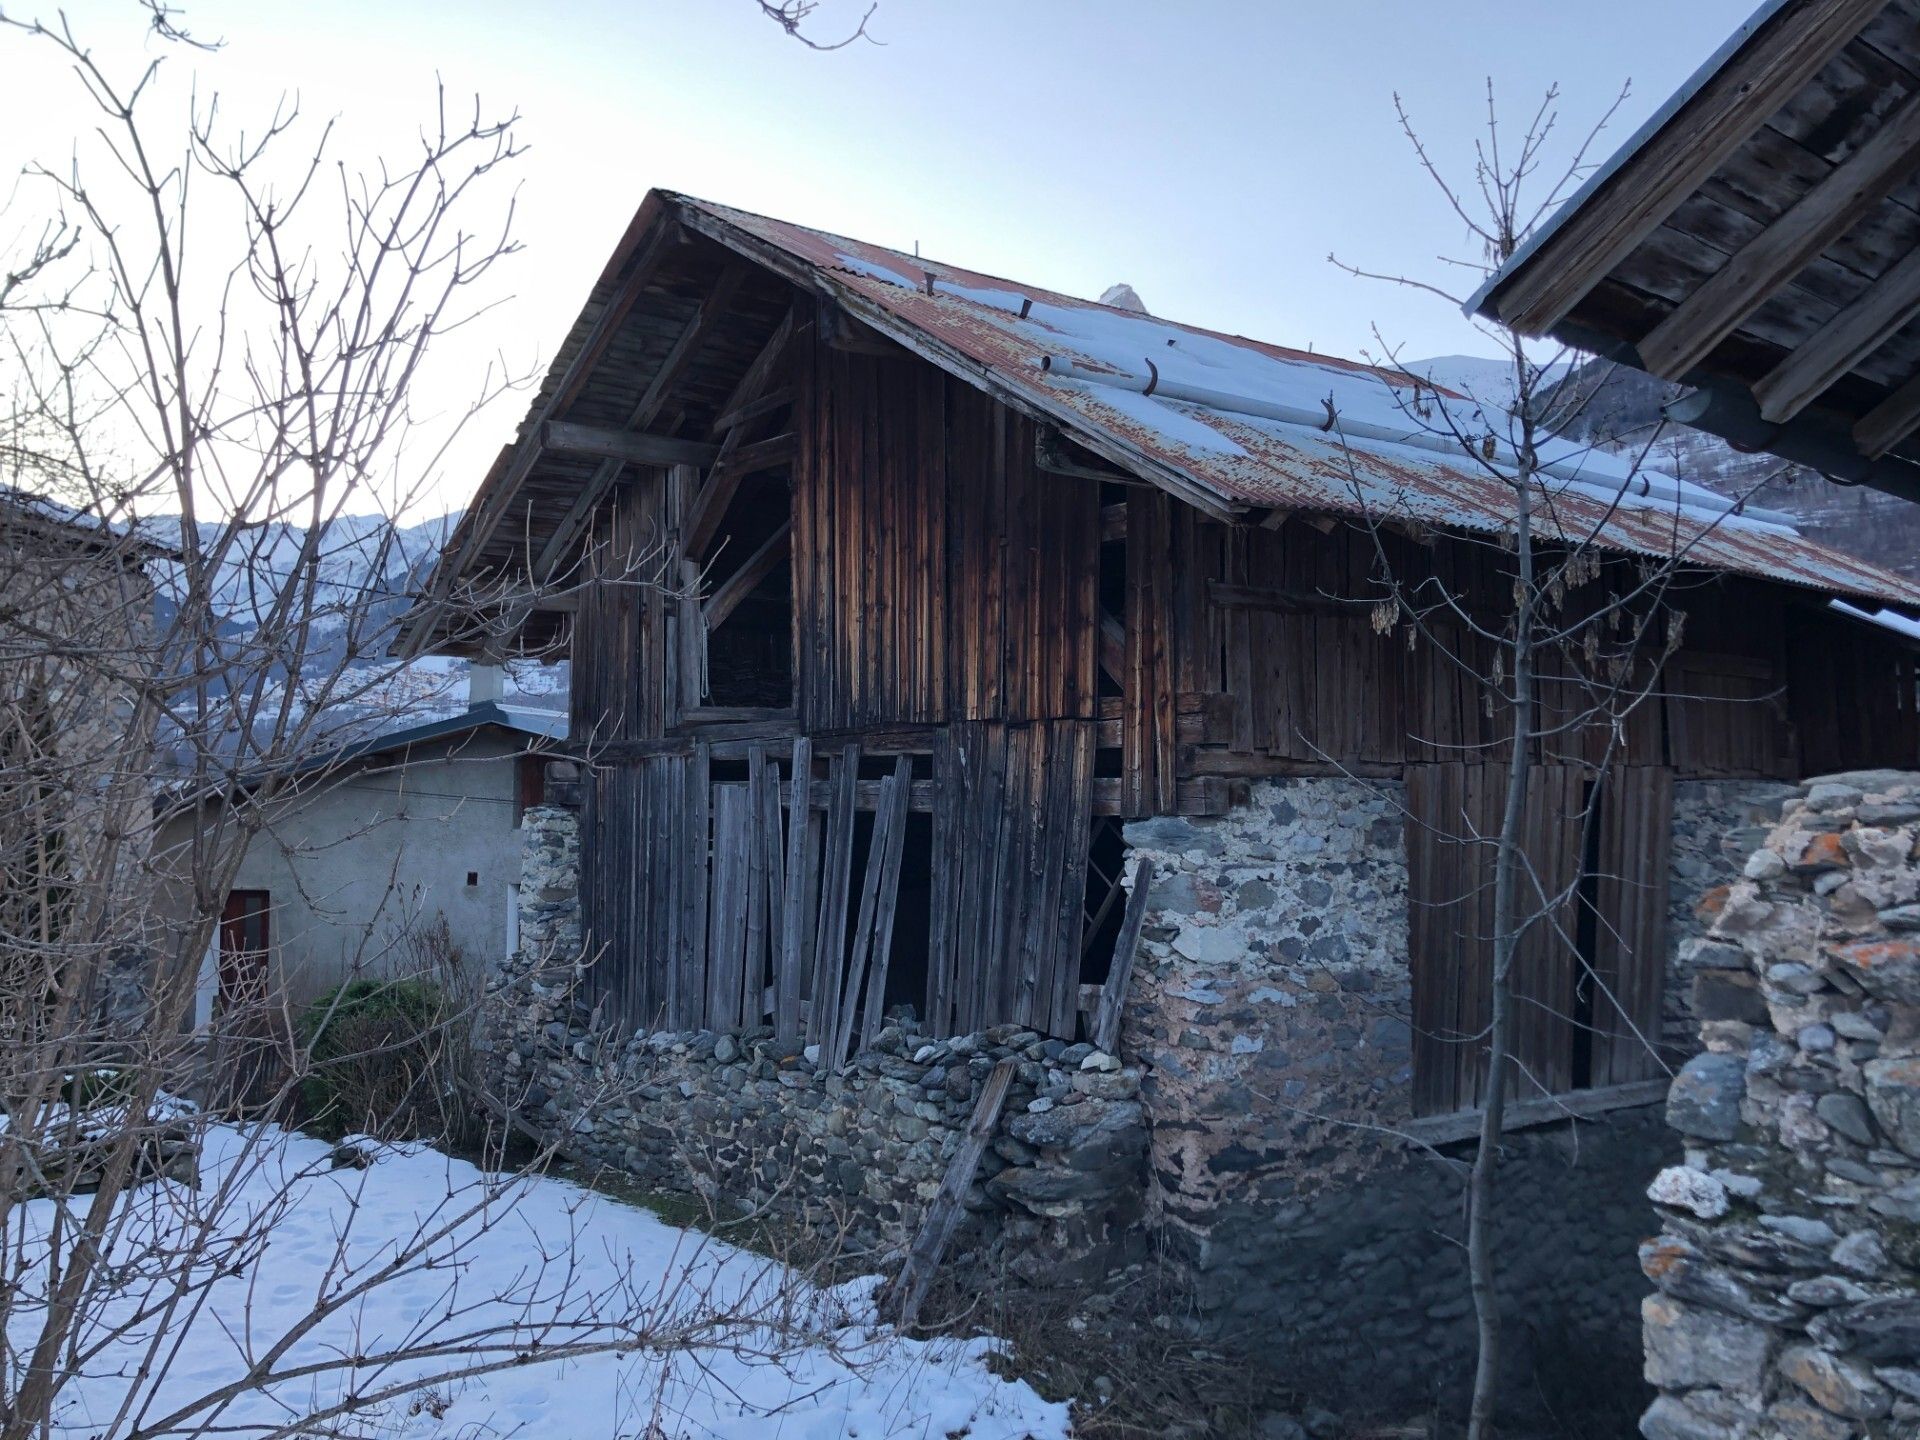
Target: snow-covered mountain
(1486, 382)
(1619, 408)
(366, 573)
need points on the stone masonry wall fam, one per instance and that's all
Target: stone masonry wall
(1270, 1016)
(859, 1151)
(1787, 1274)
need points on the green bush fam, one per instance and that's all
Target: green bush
(375, 1055)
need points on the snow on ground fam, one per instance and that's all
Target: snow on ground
(847, 1377)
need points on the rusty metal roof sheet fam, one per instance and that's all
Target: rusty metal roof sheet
(1234, 424)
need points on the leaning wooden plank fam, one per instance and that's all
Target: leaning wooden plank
(889, 900)
(753, 978)
(909, 1289)
(1113, 995)
(863, 926)
(773, 838)
(830, 938)
(787, 965)
(691, 1014)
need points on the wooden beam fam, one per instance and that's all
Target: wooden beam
(1786, 52)
(1842, 343)
(1050, 456)
(709, 507)
(1772, 258)
(754, 409)
(686, 345)
(759, 372)
(844, 333)
(1889, 422)
(493, 507)
(737, 586)
(633, 447)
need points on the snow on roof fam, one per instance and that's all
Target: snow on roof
(1249, 425)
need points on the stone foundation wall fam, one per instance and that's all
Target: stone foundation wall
(859, 1151)
(1270, 1016)
(1787, 1272)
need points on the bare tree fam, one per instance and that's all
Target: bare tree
(1607, 624)
(212, 339)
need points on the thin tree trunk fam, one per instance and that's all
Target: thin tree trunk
(1506, 940)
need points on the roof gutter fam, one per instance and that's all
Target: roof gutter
(1328, 420)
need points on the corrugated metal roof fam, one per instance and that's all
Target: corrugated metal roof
(1258, 435)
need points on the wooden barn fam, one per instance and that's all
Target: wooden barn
(893, 592)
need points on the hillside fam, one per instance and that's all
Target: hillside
(1620, 407)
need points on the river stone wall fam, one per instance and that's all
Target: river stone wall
(1787, 1273)
(860, 1151)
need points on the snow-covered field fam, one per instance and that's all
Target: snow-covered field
(807, 1364)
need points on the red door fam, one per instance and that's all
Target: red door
(243, 950)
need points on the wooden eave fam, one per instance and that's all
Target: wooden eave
(1760, 243)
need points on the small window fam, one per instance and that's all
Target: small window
(473, 879)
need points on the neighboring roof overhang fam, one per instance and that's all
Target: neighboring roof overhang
(696, 294)
(513, 722)
(1758, 241)
(23, 511)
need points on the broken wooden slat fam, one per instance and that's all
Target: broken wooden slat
(889, 899)
(1113, 995)
(909, 1289)
(787, 965)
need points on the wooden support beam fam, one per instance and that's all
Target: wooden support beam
(709, 507)
(737, 586)
(631, 447)
(1889, 422)
(1050, 456)
(686, 345)
(1841, 344)
(1786, 52)
(746, 414)
(1200, 795)
(758, 373)
(495, 505)
(848, 335)
(1772, 258)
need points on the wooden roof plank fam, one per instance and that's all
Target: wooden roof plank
(693, 334)
(1783, 249)
(633, 447)
(1677, 160)
(1842, 344)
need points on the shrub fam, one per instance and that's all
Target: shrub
(376, 1055)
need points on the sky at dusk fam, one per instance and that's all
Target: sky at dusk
(1209, 153)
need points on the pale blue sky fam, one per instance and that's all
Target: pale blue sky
(1210, 153)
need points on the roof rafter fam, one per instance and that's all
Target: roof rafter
(717, 303)
(1778, 253)
(1705, 131)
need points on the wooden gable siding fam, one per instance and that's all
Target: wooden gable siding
(938, 574)
(1765, 682)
